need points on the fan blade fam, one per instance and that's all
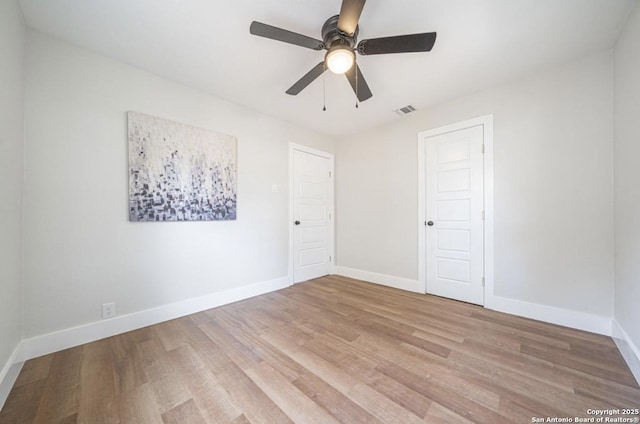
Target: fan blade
(358, 83)
(398, 44)
(307, 79)
(350, 15)
(275, 33)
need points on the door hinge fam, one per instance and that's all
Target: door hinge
(329, 174)
(483, 215)
(329, 258)
(482, 148)
(482, 281)
(329, 216)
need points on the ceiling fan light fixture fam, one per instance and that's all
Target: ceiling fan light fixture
(340, 59)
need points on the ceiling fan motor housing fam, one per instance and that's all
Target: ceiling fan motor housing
(331, 35)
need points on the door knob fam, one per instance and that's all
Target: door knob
(430, 223)
(297, 222)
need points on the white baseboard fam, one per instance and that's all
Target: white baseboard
(9, 373)
(382, 279)
(565, 317)
(70, 337)
(64, 339)
(568, 318)
(628, 349)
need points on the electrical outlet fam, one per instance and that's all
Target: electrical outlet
(108, 310)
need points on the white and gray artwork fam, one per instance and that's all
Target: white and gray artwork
(180, 173)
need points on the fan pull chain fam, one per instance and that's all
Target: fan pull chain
(355, 65)
(324, 93)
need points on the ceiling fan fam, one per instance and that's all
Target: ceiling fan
(339, 38)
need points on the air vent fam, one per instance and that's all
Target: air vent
(405, 110)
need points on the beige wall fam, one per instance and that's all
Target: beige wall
(12, 47)
(80, 249)
(627, 178)
(553, 187)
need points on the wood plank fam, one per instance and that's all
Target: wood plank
(34, 370)
(290, 399)
(138, 406)
(349, 385)
(255, 404)
(97, 390)
(169, 392)
(208, 394)
(448, 398)
(185, 413)
(337, 404)
(23, 402)
(61, 394)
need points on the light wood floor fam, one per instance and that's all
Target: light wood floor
(326, 351)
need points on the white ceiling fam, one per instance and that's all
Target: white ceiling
(205, 44)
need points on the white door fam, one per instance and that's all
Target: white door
(312, 209)
(454, 215)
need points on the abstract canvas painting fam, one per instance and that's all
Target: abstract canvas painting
(180, 173)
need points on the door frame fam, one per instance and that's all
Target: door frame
(331, 197)
(487, 124)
